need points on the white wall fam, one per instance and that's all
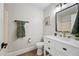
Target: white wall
(49, 11)
(1, 23)
(34, 29)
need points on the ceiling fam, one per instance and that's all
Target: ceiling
(42, 6)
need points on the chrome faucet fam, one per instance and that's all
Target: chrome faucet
(64, 34)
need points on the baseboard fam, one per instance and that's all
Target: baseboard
(15, 53)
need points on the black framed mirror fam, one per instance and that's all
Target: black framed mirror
(65, 19)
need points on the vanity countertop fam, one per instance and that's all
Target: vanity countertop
(68, 41)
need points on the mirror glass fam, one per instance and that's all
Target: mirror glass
(66, 19)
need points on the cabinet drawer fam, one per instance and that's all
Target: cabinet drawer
(68, 49)
(54, 51)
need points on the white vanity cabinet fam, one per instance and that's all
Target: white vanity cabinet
(57, 47)
(49, 46)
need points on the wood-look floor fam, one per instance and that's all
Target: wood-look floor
(31, 53)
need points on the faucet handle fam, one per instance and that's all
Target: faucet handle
(4, 45)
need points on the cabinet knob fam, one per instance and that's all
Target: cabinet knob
(48, 41)
(64, 49)
(48, 47)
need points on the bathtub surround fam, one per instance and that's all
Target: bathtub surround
(33, 29)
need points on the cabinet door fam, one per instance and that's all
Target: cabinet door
(49, 46)
(53, 50)
(56, 52)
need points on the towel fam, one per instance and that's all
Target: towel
(20, 29)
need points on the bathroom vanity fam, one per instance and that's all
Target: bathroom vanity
(64, 23)
(60, 46)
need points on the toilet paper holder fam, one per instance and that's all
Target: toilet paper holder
(29, 40)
